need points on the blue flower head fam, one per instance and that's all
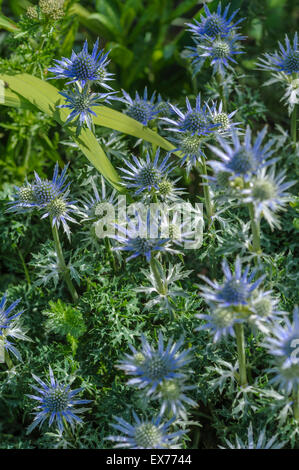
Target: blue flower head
(142, 238)
(242, 160)
(285, 60)
(56, 402)
(142, 109)
(146, 174)
(283, 345)
(48, 196)
(268, 193)
(195, 121)
(8, 326)
(215, 24)
(151, 366)
(80, 103)
(220, 322)
(236, 290)
(145, 434)
(172, 396)
(220, 52)
(84, 67)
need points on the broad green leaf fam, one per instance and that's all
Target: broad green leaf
(46, 98)
(8, 24)
(120, 122)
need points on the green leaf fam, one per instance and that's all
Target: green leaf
(120, 122)
(46, 98)
(8, 24)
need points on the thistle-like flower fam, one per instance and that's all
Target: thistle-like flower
(267, 193)
(219, 51)
(261, 442)
(80, 102)
(146, 175)
(220, 322)
(242, 160)
(195, 121)
(84, 67)
(145, 434)
(217, 24)
(172, 396)
(226, 125)
(143, 238)
(50, 197)
(285, 60)
(191, 148)
(142, 109)
(92, 205)
(151, 366)
(10, 328)
(56, 402)
(284, 343)
(237, 289)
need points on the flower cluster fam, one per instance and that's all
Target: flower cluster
(161, 373)
(216, 38)
(48, 196)
(235, 301)
(10, 328)
(84, 69)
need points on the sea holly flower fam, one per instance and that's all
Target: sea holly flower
(145, 434)
(10, 327)
(285, 60)
(267, 193)
(261, 443)
(24, 199)
(218, 116)
(80, 103)
(219, 51)
(151, 366)
(147, 174)
(142, 237)
(284, 340)
(243, 159)
(172, 396)
(48, 196)
(142, 109)
(84, 68)
(218, 24)
(191, 147)
(220, 322)
(92, 204)
(163, 107)
(56, 402)
(237, 289)
(195, 121)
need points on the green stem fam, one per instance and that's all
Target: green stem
(207, 196)
(239, 330)
(110, 253)
(63, 267)
(221, 90)
(293, 125)
(255, 227)
(296, 405)
(155, 271)
(8, 361)
(24, 266)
